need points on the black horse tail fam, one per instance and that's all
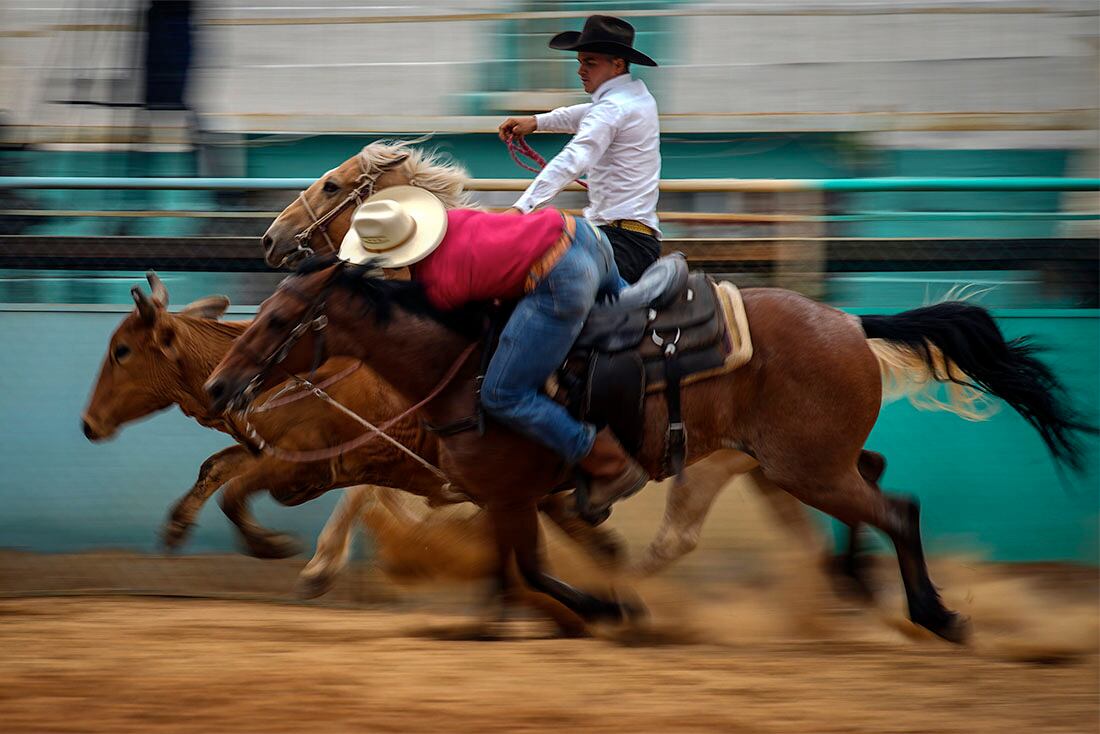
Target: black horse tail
(959, 346)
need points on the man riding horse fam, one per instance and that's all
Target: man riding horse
(616, 142)
(555, 264)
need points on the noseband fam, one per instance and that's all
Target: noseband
(364, 190)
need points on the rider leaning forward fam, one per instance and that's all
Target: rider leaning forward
(555, 264)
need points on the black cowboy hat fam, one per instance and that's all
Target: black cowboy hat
(603, 34)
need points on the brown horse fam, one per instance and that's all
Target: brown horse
(157, 359)
(320, 216)
(802, 408)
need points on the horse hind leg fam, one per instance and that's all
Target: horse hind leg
(687, 507)
(853, 500)
(851, 570)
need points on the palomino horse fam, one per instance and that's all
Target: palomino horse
(321, 216)
(801, 408)
(157, 359)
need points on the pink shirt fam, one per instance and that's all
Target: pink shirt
(485, 256)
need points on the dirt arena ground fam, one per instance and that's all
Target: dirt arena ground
(740, 638)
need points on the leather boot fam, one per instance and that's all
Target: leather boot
(613, 473)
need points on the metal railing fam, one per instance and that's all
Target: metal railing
(723, 185)
(689, 185)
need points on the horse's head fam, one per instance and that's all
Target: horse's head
(285, 338)
(138, 374)
(332, 308)
(316, 222)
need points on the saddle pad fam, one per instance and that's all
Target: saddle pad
(736, 341)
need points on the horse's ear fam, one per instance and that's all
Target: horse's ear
(211, 307)
(145, 305)
(160, 292)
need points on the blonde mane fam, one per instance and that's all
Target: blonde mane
(428, 169)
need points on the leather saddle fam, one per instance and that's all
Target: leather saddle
(663, 328)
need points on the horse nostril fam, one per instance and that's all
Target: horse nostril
(216, 389)
(89, 433)
(268, 243)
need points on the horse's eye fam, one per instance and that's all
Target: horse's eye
(330, 187)
(121, 352)
(276, 322)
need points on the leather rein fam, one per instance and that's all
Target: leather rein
(316, 320)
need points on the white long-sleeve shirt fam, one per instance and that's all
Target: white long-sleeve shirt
(617, 143)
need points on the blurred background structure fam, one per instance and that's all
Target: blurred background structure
(844, 101)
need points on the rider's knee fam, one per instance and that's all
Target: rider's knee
(500, 403)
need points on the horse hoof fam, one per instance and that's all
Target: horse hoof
(311, 587)
(274, 546)
(174, 533)
(955, 629)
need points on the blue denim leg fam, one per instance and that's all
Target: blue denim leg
(536, 340)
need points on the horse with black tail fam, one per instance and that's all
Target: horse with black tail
(800, 409)
(959, 345)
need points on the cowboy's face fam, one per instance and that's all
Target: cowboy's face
(595, 69)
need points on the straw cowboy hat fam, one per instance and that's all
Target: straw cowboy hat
(603, 34)
(398, 226)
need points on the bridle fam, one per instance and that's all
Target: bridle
(364, 189)
(316, 319)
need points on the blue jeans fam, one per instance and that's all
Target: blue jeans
(537, 339)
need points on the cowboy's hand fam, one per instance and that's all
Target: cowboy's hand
(512, 210)
(516, 127)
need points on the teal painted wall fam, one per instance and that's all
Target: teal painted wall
(58, 491)
(988, 486)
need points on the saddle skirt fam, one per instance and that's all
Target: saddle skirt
(668, 330)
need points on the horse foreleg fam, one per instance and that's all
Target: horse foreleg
(259, 541)
(687, 507)
(214, 472)
(516, 531)
(334, 543)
